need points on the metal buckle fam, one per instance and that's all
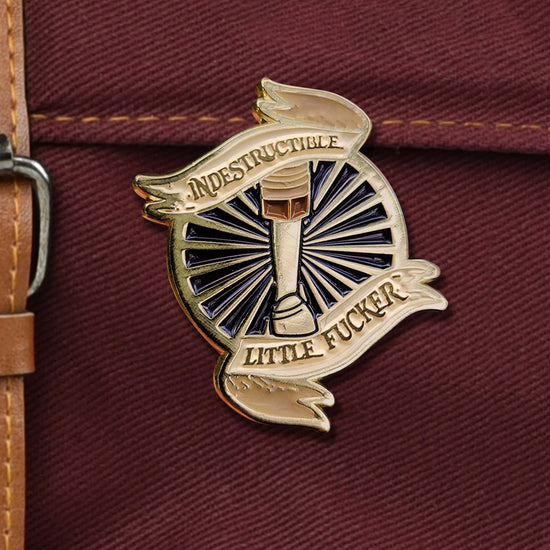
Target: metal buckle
(40, 182)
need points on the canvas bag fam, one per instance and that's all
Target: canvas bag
(440, 434)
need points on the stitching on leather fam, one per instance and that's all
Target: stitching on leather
(13, 90)
(16, 197)
(9, 454)
(13, 273)
(238, 120)
(15, 243)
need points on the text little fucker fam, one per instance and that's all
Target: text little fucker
(349, 325)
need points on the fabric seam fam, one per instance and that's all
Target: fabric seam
(238, 120)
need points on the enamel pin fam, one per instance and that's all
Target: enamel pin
(287, 249)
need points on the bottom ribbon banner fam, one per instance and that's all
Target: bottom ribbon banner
(273, 379)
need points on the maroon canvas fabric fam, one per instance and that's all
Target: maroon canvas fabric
(440, 433)
(446, 73)
(440, 436)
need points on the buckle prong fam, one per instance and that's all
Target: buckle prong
(40, 181)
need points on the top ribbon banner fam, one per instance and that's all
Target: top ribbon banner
(296, 124)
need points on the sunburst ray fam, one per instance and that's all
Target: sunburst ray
(238, 312)
(373, 249)
(215, 305)
(333, 272)
(342, 217)
(249, 221)
(214, 265)
(218, 289)
(206, 286)
(355, 231)
(221, 227)
(314, 291)
(322, 279)
(347, 184)
(248, 198)
(366, 268)
(327, 183)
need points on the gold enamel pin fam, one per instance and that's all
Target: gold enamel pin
(288, 251)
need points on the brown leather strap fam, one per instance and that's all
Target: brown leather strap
(17, 343)
(13, 108)
(15, 260)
